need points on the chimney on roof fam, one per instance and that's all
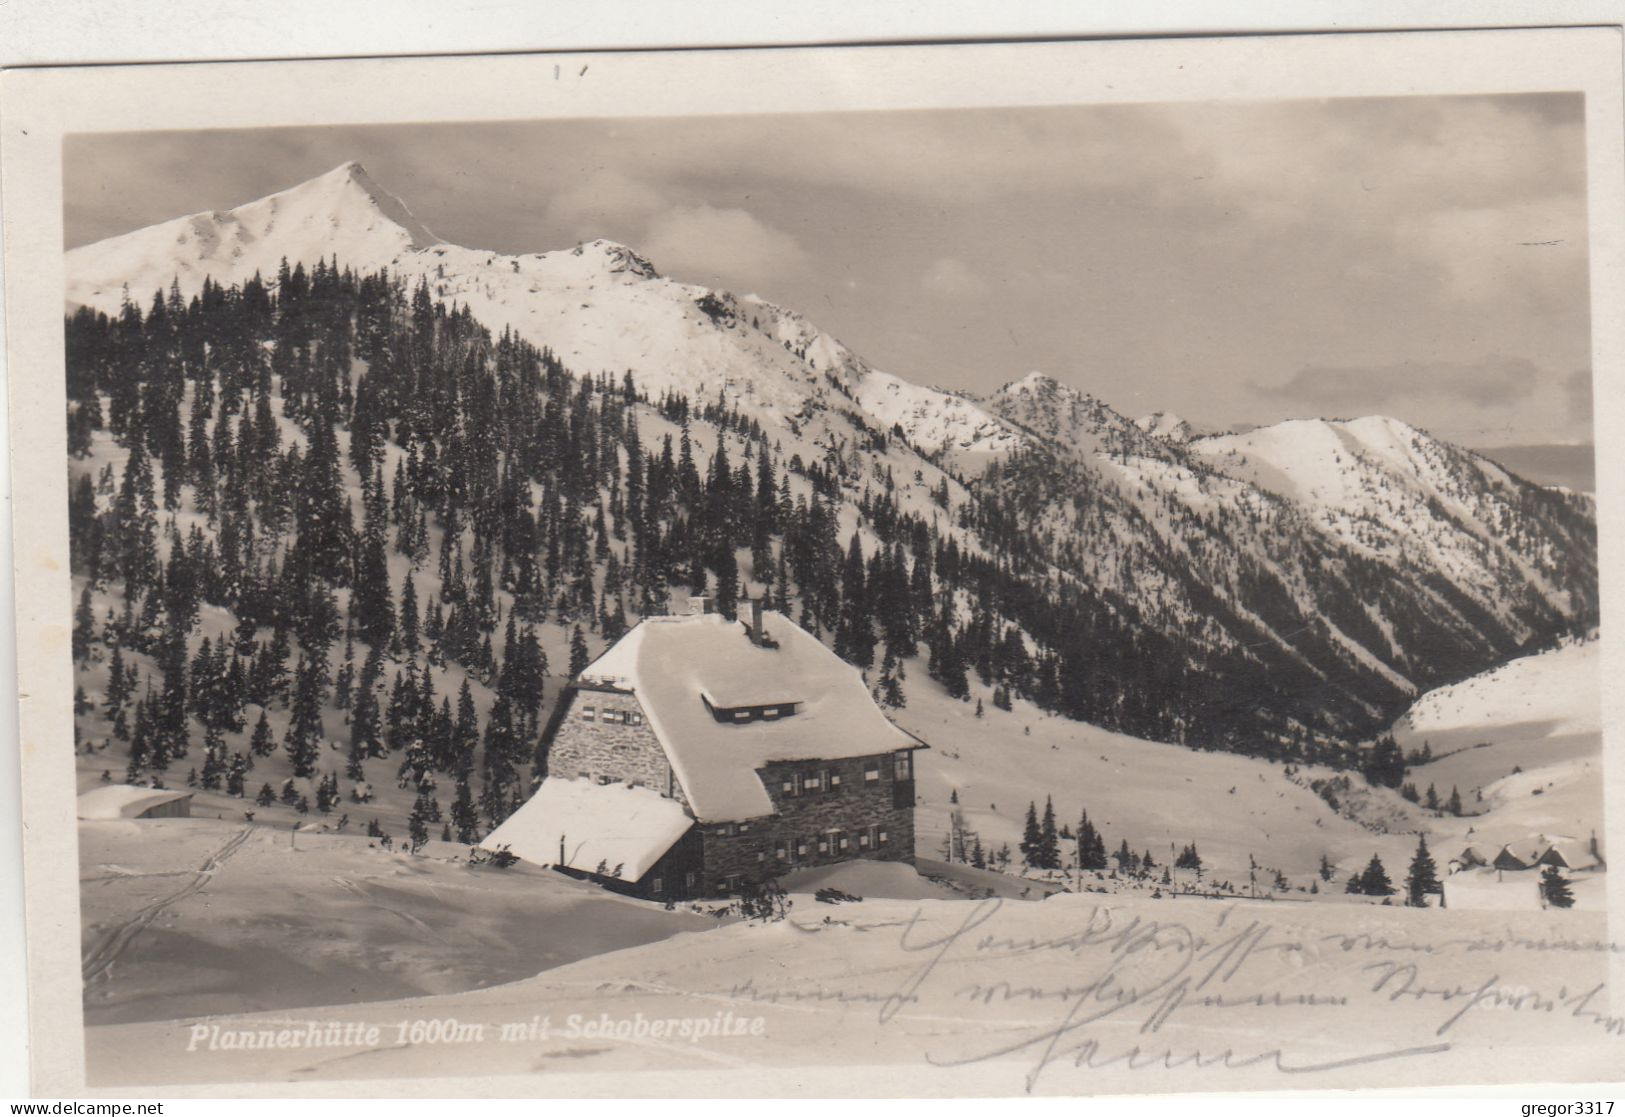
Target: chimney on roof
(699, 605)
(756, 633)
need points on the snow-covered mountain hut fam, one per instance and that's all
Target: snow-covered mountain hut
(701, 755)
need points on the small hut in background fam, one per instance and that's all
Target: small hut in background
(122, 800)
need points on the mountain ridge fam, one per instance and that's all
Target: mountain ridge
(1361, 561)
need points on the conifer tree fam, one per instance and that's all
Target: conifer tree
(1032, 838)
(1554, 888)
(1423, 877)
(1049, 855)
(463, 816)
(417, 822)
(303, 738)
(1374, 881)
(262, 743)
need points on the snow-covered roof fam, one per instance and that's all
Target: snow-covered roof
(581, 824)
(122, 800)
(670, 662)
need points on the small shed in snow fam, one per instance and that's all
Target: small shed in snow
(1468, 858)
(1554, 856)
(1508, 861)
(122, 800)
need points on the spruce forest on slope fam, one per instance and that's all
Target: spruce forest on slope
(333, 496)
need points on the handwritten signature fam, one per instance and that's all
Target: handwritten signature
(1137, 975)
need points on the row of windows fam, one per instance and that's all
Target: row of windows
(831, 843)
(829, 780)
(611, 716)
(818, 780)
(792, 851)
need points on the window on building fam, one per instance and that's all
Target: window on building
(688, 880)
(823, 845)
(761, 855)
(611, 716)
(832, 779)
(843, 844)
(731, 883)
(633, 717)
(658, 885)
(771, 713)
(871, 771)
(789, 786)
(801, 849)
(813, 781)
(883, 839)
(864, 841)
(588, 713)
(741, 715)
(781, 850)
(905, 765)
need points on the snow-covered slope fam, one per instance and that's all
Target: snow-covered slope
(935, 421)
(342, 213)
(1523, 745)
(845, 997)
(1392, 492)
(1558, 689)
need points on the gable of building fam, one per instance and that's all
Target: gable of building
(604, 734)
(724, 705)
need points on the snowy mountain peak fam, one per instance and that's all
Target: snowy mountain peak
(1057, 411)
(1033, 382)
(617, 258)
(1166, 426)
(342, 214)
(353, 178)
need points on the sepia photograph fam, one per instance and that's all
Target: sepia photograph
(1022, 592)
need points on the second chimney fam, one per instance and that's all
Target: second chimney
(756, 622)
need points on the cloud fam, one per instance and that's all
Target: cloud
(605, 203)
(703, 240)
(953, 279)
(1492, 382)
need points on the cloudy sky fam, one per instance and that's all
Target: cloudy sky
(1241, 263)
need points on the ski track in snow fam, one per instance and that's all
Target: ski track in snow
(105, 950)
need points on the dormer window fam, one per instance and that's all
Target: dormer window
(744, 714)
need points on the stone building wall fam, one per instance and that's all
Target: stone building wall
(859, 808)
(619, 750)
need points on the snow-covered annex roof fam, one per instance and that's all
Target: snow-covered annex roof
(581, 825)
(122, 800)
(670, 662)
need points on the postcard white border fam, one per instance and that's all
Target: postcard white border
(40, 106)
